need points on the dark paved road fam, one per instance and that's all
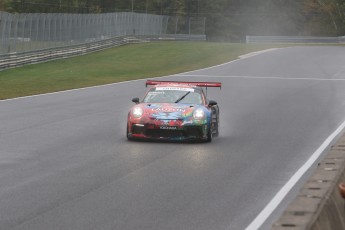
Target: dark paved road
(65, 162)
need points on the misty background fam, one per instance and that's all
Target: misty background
(226, 20)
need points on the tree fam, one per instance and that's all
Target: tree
(226, 20)
(325, 17)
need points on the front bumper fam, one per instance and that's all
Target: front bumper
(164, 132)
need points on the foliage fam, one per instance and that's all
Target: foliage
(227, 20)
(5, 5)
(325, 17)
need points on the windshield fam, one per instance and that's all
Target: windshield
(173, 95)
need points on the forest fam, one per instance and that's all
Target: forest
(226, 20)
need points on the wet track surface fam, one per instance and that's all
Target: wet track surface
(65, 162)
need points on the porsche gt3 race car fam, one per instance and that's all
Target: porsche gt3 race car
(174, 111)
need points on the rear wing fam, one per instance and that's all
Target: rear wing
(186, 83)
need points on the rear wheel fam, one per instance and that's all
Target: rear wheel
(215, 126)
(213, 130)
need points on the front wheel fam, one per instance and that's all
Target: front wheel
(127, 135)
(209, 135)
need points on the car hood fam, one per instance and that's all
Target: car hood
(169, 111)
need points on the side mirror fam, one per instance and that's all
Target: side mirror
(136, 100)
(212, 103)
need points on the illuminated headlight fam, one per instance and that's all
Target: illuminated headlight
(137, 112)
(199, 114)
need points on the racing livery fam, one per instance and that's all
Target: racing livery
(176, 111)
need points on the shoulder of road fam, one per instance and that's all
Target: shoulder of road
(320, 204)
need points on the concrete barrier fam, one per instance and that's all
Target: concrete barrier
(319, 205)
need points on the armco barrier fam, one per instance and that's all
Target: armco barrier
(319, 205)
(19, 59)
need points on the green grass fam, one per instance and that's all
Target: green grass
(118, 64)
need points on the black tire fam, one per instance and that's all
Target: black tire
(215, 122)
(127, 135)
(216, 134)
(209, 135)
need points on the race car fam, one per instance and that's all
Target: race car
(174, 111)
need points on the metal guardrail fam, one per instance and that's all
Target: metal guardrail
(19, 59)
(180, 37)
(294, 39)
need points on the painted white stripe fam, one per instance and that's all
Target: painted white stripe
(257, 53)
(245, 56)
(277, 199)
(258, 77)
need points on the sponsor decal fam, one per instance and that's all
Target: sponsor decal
(175, 88)
(169, 110)
(167, 116)
(155, 93)
(168, 127)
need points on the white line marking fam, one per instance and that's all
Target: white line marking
(277, 199)
(242, 57)
(258, 77)
(252, 54)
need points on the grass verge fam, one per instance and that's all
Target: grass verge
(118, 64)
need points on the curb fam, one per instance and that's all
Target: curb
(319, 204)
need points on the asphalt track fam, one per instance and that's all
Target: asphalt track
(65, 162)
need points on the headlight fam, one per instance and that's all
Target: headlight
(137, 112)
(199, 114)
